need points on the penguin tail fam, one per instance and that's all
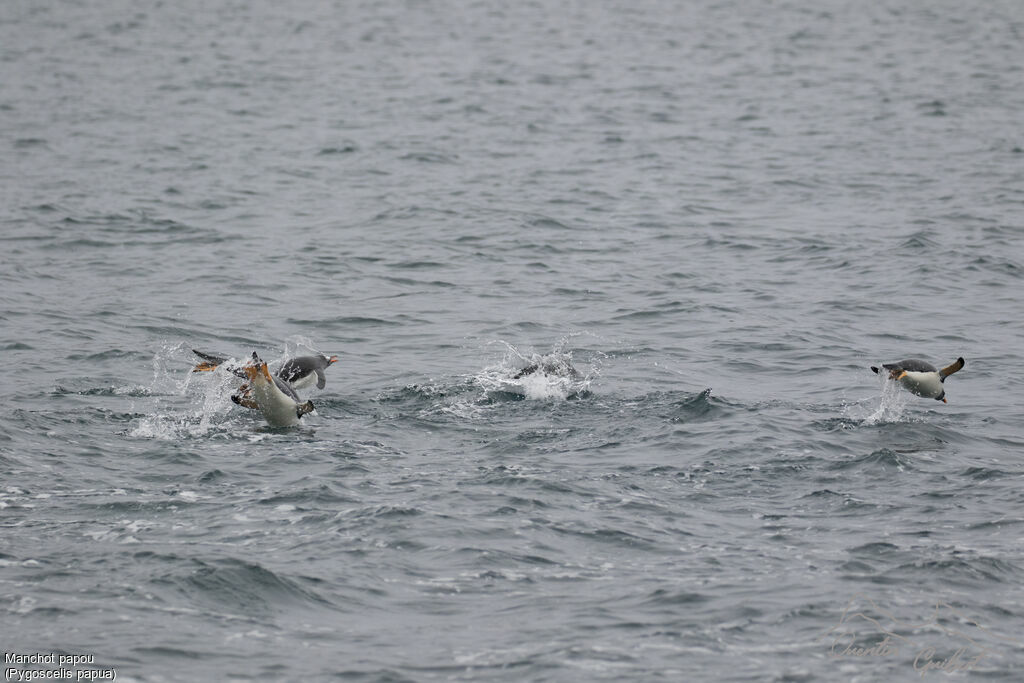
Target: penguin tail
(210, 361)
(257, 367)
(205, 366)
(950, 369)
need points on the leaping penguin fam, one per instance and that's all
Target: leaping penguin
(921, 378)
(273, 396)
(299, 373)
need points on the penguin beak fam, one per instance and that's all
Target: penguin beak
(945, 401)
(332, 359)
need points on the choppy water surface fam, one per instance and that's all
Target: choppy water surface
(719, 214)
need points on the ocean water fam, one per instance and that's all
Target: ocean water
(719, 213)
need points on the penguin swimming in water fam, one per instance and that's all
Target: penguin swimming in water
(555, 367)
(299, 373)
(550, 376)
(273, 396)
(921, 378)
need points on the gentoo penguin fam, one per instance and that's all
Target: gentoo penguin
(275, 399)
(554, 367)
(921, 378)
(299, 372)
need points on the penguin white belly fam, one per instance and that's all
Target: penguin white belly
(304, 382)
(279, 410)
(926, 384)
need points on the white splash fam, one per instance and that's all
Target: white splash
(550, 376)
(185, 404)
(893, 405)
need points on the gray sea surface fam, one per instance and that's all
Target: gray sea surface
(719, 213)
